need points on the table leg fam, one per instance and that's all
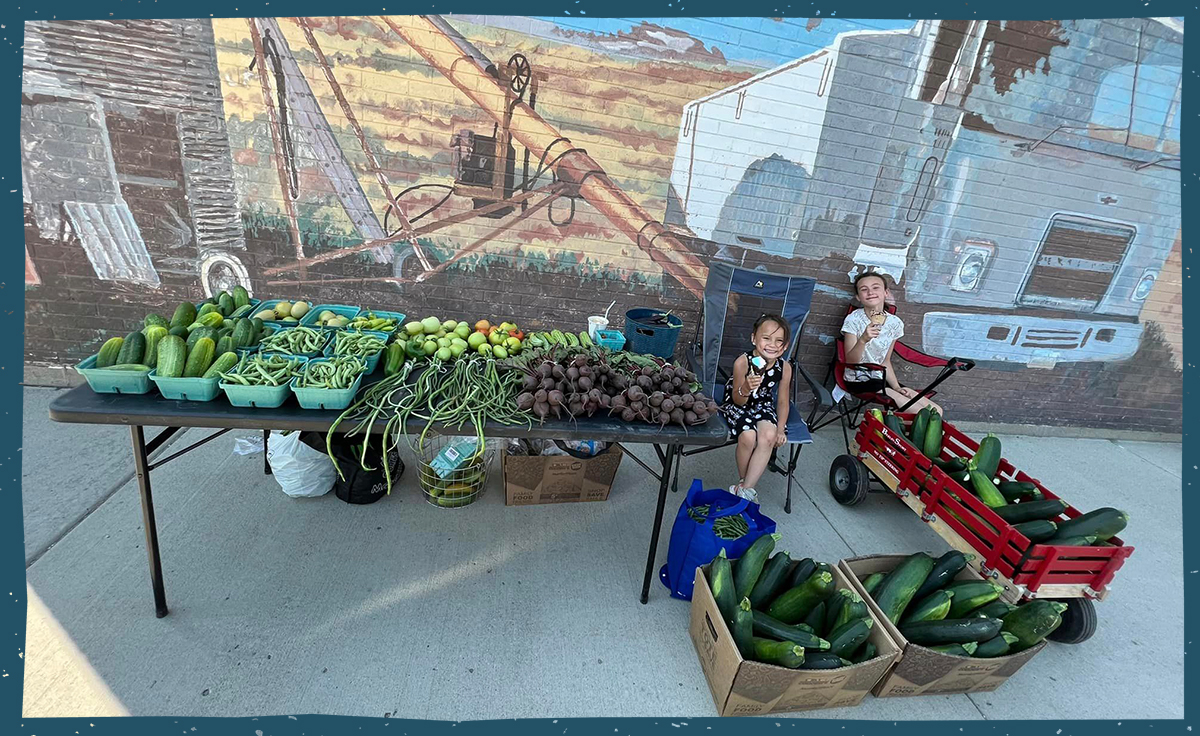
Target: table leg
(141, 466)
(664, 481)
(266, 463)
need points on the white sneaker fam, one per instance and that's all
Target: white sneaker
(735, 489)
(748, 493)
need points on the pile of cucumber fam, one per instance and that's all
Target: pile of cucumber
(1021, 504)
(789, 614)
(962, 618)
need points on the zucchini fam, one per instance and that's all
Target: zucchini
(815, 620)
(172, 353)
(865, 653)
(720, 579)
(833, 606)
(782, 653)
(943, 572)
(984, 487)
(222, 364)
(987, 457)
(997, 646)
(795, 604)
(995, 609)
(1017, 490)
(773, 577)
(199, 358)
(1038, 530)
(957, 650)
(898, 588)
(743, 628)
(971, 594)
(872, 582)
(750, 565)
(1101, 524)
(952, 630)
(764, 625)
(892, 422)
(185, 314)
(919, 425)
(854, 608)
(933, 607)
(848, 637)
(803, 570)
(932, 446)
(1033, 622)
(823, 661)
(1089, 541)
(1017, 513)
(955, 467)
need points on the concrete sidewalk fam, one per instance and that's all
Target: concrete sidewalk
(401, 609)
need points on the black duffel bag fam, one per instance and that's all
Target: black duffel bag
(359, 486)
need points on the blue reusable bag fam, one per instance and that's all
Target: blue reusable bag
(693, 545)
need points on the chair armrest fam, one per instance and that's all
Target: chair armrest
(912, 355)
(819, 392)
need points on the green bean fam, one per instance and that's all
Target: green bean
(263, 370)
(294, 341)
(352, 342)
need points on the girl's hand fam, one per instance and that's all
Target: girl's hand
(780, 436)
(753, 382)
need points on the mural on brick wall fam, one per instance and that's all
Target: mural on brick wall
(1019, 180)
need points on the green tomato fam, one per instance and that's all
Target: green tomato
(450, 325)
(513, 345)
(457, 349)
(476, 339)
(458, 341)
(496, 338)
(431, 325)
(414, 328)
(463, 330)
(443, 342)
(499, 352)
(484, 349)
(431, 347)
(444, 354)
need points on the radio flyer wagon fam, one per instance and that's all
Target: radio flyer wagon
(1075, 575)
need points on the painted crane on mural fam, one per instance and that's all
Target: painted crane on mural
(484, 165)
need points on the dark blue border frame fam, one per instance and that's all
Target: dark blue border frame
(13, 616)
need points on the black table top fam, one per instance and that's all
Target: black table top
(81, 405)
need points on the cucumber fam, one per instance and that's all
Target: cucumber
(1018, 513)
(226, 305)
(772, 579)
(1015, 490)
(750, 565)
(225, 345)
(957, 650)
(1038, 530)
(987, 457)
(898, 588)
(919, 425)
(952, 630)
(1089, 541)
(783, 653)
(933, 607)
(997, 646)
(222, 364)
(240, 296)
(185, 314)
(764, 625)
(208, 308)
(944, 570)
(131, 367)
(795, 604)
(179, 332)
(743, 628)
(933, 436)
(848, 637)
(872, 582)
(109, 352)
(803, 570)
(1101, 524)
(815, 620)
(995, 609)
(1033, 622)
(195, 335)
(199, 358)
(172, 353)
(243, 333)
(865, 653)
(833, 606)
(823, 661)
(971, 594)
(720, 579)
(133, 350)
(154, 335)
(156, 319)
(984, 487)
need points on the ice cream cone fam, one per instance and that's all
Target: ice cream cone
(878, 318)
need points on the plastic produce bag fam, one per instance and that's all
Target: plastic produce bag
(694, 543)
(302, 470)
(248, 445)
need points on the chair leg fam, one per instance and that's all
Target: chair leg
(795, 455)
(675, 481)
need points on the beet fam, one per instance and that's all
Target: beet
(556, 398)
(668, 405)
(572, 374)
(637, 406)
(525, 401)
(586, 371)
(677, 416)
(690, 417)
(605, 401)
(549, 384)
(636, 393)
(688, 401)
(668, 373)
(530, 383)
(542, 396)
(619, 402)
(575, 408)
(542, 410)
(546, 369)
(656, 398)
(558, 372)
(585, 383)
(676, 382)
(628, 414)
(645, 383)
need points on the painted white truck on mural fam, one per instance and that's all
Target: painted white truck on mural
(1019, 180)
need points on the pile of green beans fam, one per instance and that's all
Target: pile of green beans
(294, 341)
(361, 344)
(263, 370)
(726, 527)
(335, 373)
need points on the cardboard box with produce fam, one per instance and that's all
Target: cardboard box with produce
(775, 635)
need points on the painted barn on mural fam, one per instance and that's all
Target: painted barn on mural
(1019, 181)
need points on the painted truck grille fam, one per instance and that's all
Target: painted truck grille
(1076, 263)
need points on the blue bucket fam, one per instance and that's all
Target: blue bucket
(645, 338)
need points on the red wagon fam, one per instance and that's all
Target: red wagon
(1075, 575)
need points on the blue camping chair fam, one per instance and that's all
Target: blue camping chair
(733, 299)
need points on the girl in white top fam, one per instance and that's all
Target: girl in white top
(869, 334)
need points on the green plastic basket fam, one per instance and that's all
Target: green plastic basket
(326, 398)
(104, 381)
(259, 397)
(187, 389)
(372, 362)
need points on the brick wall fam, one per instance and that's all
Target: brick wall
(805, 147)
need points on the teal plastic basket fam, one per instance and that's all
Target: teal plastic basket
(187, 389)
(372, 362)
(398, 316)
(270, 304)
(326, 398)
(270, 328)
(258, 397)
(104, 381)
(610, 339)
(344, 310)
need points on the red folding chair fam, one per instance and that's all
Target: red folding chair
(850, 413)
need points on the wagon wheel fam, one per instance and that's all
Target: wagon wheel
(521, 72)
(1078, 622)
(849, 480)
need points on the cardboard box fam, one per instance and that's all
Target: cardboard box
(742, 687)
(533, 479)
(922, 671)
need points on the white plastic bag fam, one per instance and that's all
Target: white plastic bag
(302, 472)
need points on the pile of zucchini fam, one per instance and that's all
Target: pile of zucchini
(1019, 503)
(962, 618)
(789, 614)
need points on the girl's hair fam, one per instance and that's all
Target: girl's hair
(787, 330)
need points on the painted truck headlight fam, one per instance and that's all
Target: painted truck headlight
(1145, 285)
(973, 259)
